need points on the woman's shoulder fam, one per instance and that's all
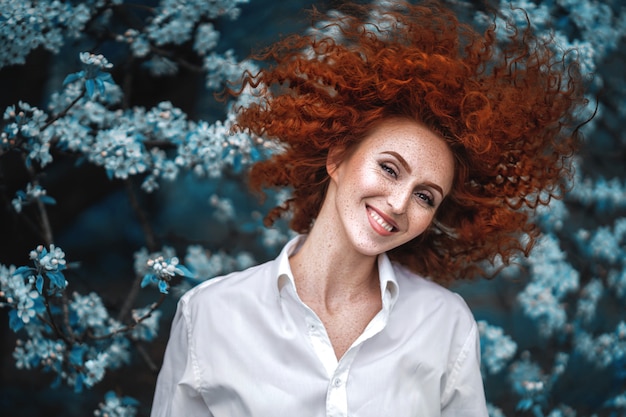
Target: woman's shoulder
(425, 294)
(235, 284)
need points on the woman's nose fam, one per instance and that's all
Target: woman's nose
(398, 199)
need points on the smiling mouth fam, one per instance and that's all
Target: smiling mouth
(378, 219)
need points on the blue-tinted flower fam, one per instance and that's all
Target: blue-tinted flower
(39, 351)
(528, 382)
(588, 301)
(275, 237)
(201, 263)
(497, 348)
(27, 25)
(171, 26)
(552, 217)
(89, 310)
(77, 354)
(18, 291)
(166, 122)
(161, 66)
(23, 130)
(221, 68)
(605, 350)
(148, 324)
(26, 120)
(175, 19)
(494, 411)
(95, 369)
(552, 278)
(204, 264)
(224, 208)
(616, 280)
(601, 195)
(601, 244)
(139, 44)
(119, 349)
(142, 257)
(120, 151)
(160, 270)
(206, 38)
(32, 193)
(162, 167)
(49, 263)
(50, 260)
(114, 406)
(93, 73)
(618, 401)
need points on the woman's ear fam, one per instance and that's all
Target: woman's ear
(334, 158)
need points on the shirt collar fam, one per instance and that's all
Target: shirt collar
(388, 282)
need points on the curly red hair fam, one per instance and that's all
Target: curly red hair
(506, 108)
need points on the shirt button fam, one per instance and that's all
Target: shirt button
(337, 382)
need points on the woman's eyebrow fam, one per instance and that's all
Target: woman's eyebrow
(400, 159)
(435, 187)
(407, 167)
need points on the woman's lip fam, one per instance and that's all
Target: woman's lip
(384, 217)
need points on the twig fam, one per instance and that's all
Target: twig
(141, 215)
(63, 112)
(66, 317)
(43, 213)
(183, 63)
(130, 299)
(52, 323)
(146, 357)
(150, 243)
(132, 325)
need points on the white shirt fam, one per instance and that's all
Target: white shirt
(245, 345)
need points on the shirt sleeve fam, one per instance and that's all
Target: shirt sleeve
(464, 394)
(177, 391)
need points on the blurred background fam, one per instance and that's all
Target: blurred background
(117, 171)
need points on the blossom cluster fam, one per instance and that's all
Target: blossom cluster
(591, 29)
(496, 348)
(22, 132)
(545, 299)
(552, 279)
(48, 267)
(32, 194)
(200, 264)
(159, 268)
(76, 337)
(27, 25)
(155, 143)
(77, 340)
(575, 275)
(115, 406)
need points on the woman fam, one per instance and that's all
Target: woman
(415, 152)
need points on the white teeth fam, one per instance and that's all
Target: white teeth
(380, 221)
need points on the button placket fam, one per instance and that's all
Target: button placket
(321, 343)
(337, 401)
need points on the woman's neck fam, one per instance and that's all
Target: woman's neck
(338, 283)
(329, 272)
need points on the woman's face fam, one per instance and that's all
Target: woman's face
(387, 189)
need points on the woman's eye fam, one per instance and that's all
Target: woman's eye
(389, 170)
(426, 198)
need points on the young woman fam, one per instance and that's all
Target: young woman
(416, 151)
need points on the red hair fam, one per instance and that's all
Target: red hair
(506, 108)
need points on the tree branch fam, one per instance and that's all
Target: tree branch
(150, 243)
(132, 325)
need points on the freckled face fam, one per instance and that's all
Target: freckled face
(387, 190)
